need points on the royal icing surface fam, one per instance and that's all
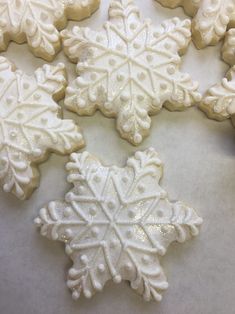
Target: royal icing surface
(212, 18)
(130, 69)
(30, 125)
(37, 21)
(116, 223)
(219, 101)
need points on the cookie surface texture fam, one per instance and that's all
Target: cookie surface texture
(212, 18)
(30, 126)
(130, 69)
(116, 223)
(37, 22)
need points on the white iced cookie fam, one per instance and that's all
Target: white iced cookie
(37, 21)
(130, 69)
(116, 223)
(219, 101)
(211, 21)
(30, 126)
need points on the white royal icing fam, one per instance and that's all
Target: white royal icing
(212, 18)
(30, 125)
(36, 21)
(130, 69)
(116, 223)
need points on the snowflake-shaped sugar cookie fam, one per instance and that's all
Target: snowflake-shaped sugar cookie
(116, 223)
(130, 69)
(30, 125)
(219, 101)
(211, 21)
(37, 21)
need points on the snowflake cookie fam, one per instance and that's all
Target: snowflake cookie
(212, 18)
(219, 101)
(116, 223)
(30, 126)
(130, 69)
(37, 21)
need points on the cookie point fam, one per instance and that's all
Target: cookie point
(165, 285)
(117, 279)
(37, 152)
(161, 251)
(68, 250)
(6, 188)
(76, 29)
(87, 294)
(159, 298)
(138, 138)
(72, 273)
(75, 295)
(61, 65)
(97, 286)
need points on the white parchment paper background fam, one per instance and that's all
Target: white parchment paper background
(199, 157)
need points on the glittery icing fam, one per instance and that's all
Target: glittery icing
(117, 227)
(30, 125)
(130, 69)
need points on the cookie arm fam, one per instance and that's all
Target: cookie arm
(219, 101)
(77, 40)
(190, 6)
(76, 10)
(211, 22)
(228, 51)
(62, 133)
(43, 39)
